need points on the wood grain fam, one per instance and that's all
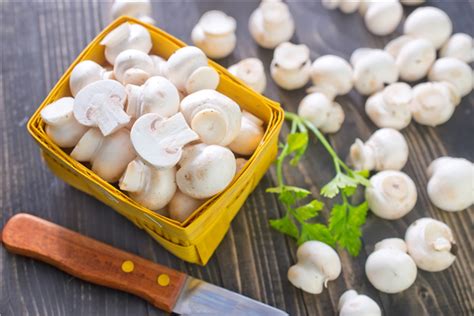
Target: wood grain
(40, 39)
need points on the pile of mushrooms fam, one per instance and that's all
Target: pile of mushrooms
(155, 127)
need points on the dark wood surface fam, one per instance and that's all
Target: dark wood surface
(38, 42)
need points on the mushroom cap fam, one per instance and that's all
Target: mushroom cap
(431, 244)
(204, 77)
(323, 113)
(317, 263)
(383, 17)
(249, 137)
(135, 8)
(359, 54)
(213, 116)
(390, 149)
(332, 74)
(159, 141)
(59, 112)
(349, 6)
(430, 23)
(133, 67)
(458, 46)
(415, 59)
(205, 170)
(353, 304)
(391, 194)
(158, 63)
(391, 106)
(291, 66)
(182, 206)
(252, 72)
(372, 70)
(451, 183)
(390, 269)
(454, 71)
(216, 22)
(394, 46)
(85, 72)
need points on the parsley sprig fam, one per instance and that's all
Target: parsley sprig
(299, 222)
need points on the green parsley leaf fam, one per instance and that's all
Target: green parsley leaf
(315, 231)
(340, 181)
(297, 141)
(309, 210)
(286, 226)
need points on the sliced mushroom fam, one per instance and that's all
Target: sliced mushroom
(458, 46)
(291, 66)
(159, 141)
(84, 73)
(140, 9)
(382, 17)
(250, 71)
(250, 135)
(454, 71)
(182, 206)
(100, 104)
(430, 23)
(323, 113)
(133, 67)
(331, 75)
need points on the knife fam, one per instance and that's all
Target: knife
(99, 263)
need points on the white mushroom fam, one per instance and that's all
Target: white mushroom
(213, 116)
(386, 149)
(126, 36)
(359, 54)
(159, 141)
(84, 73)
(430, 23)
(353, 304)
(215, 34)
(182, 206)
(412, 2)
(61, 126)
(317, 263)
(451, 184)
(331, 75)
(391, 106)
(372, 70)
(250, 71)
(271, 24)
(250, 135)
(346, 6)
(389, 268)
(108, 155)
(133, 67)
(205, 170)
(100, 104)
(391, 194)
(157, 95)
(433, 103)
(188, 70)
(152, 188)
(323, 113)
(458, 46)
(382, 17)
(431, 244)
(140, 9)
(454, 71)
(158, 65)
(291, 66)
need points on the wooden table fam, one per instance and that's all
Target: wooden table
(40, 40)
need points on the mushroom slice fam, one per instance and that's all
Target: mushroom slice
(202, 78)
(101, 104)
(159, 141)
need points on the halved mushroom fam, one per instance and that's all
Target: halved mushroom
(331, 75)
(159, 141)
(182, 206)
(250, 135)
(454, 71)
(430, 23)
(215, 34)
(250, 71)
(140, 9)
(323, 113)
(84, 73)
(458, 46)
(213, 116)
(133, 67)
(101, 104)
(291, 66)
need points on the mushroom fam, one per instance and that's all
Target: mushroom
(213, 116)
(159, 141)
(158, 65)
(433, 103)
(215, 34)
(250, 135)
(291, 66)
(84, 73)
(431, 244)
(140, 9)
(372, 70)
(133, 67)
(182, 206)
(391, 194)
(346, 6)
(100, 104)
(454, 71)
(250, 71)
(271, 24)
(187, 69)
(430, 23)
(458, 46)
(61, 126)
(412, 2)
(152, 188)
(359, 54)
(450, 186)
(323, 113)
(382, 17)
(126, 36)
(108, 155)
(386, 149)
(205, 170)
(331, 75)
(389, 268)
(157, 95)
(317, 263)
(353, 304)
(391, 106)
(240, 164)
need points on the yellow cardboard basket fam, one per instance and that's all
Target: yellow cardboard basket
(197, 238)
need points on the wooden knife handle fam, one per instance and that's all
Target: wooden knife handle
(93, 261)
